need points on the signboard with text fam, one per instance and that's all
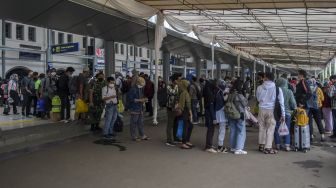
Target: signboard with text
(65, 48)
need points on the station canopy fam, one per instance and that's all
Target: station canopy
(285, 33)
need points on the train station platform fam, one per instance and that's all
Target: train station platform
(88, 162)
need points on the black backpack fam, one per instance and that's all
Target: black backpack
(277, 107)
(125, 86)
(74, 85)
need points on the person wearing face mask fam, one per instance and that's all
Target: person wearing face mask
(49, 89)
(135, 106)
(27, 90)
(64, 93)
(220, 115)
(110, 96)
(96, 101)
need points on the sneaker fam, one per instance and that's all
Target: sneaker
(322, 138)
(108, 137)
(332, 136)
(170, 144)
(222, 149)
(240, 152)
(136, 139)
(232, 150)
(211, 150)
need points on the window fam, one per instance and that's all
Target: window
(116, 48)
(70, 38)
(92, 42)
(32, 34)
(8, 27)
(131, 50)
(19, 32)
(148, 55)
(84, 42)
(140, 52)
(53, 37)
(136, 51)
(122, 49)
(60, 38)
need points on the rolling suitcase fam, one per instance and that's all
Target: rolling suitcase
(302, 138)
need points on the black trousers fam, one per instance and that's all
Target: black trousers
(65, 107)
(27, 101)
(187, 127)
(316, 115)
(149, 107)
(209, 118)
(15, 96)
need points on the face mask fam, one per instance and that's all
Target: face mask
(100, 79)
(312, 88)
(111, 85)
(139, 86)
(53, 74)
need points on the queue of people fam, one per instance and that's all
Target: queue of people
(223, 103)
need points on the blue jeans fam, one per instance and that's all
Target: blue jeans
(277, 138)
(111, 114)
(237, 133)
(194, 103)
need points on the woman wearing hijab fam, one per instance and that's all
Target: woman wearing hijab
(220, 116)
(13, 93)
(184, 105)
(238, 126)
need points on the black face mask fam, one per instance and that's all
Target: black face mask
(100, 79)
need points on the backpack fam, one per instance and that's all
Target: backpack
(301, 117)
(74, 85)
(313, 100)
(230, 108)
(125, 86)
(277, 107)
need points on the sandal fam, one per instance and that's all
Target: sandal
(261, 148)
(270, 151)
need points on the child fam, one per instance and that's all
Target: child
(301, 131)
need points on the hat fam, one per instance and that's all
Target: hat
(86, 69)
(141, 81)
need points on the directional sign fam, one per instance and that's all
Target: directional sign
(64, 48)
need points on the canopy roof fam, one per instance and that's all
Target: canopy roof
(286, 33)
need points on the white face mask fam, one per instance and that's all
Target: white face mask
(53, 74)
(139, 86)
(111, 85)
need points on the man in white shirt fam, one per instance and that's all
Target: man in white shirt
(267, 96)
(109, 95)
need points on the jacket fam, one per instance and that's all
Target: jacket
(184, 98)
(209, 92)
(149, 89)
(134, 93)
(194, 90)
(219, 100)
(266, 96)
(289, 99)
(63, 85)
(301, 92)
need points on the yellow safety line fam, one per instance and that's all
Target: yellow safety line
(16, 122)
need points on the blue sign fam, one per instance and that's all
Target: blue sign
(64, 48)
(50, 65)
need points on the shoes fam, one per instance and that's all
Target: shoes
(222, 149)
(332, 136)
(232, 150)
(170, 144)
(108, 137)
(328, 132)
(211, 150)
(136, 139)
(240, 152)
(322, 138)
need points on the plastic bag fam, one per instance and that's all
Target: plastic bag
(179, 132)
(40, 105)
(120, 107)
(81, 106)
(283, 130)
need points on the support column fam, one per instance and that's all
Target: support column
(212, 57)
(166, 66)
(198, 68)
(3, 53)
(239, 68)
(48, 64)
(254, 77)
(264, 67)
(151, 64)
(334, 62)
(109, 58)
(218, 70)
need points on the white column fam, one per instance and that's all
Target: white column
(264, 67)
(330, 73)
(254, 77)
(3, 54)
(212, 57)
(334, 62)
(238, 62)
